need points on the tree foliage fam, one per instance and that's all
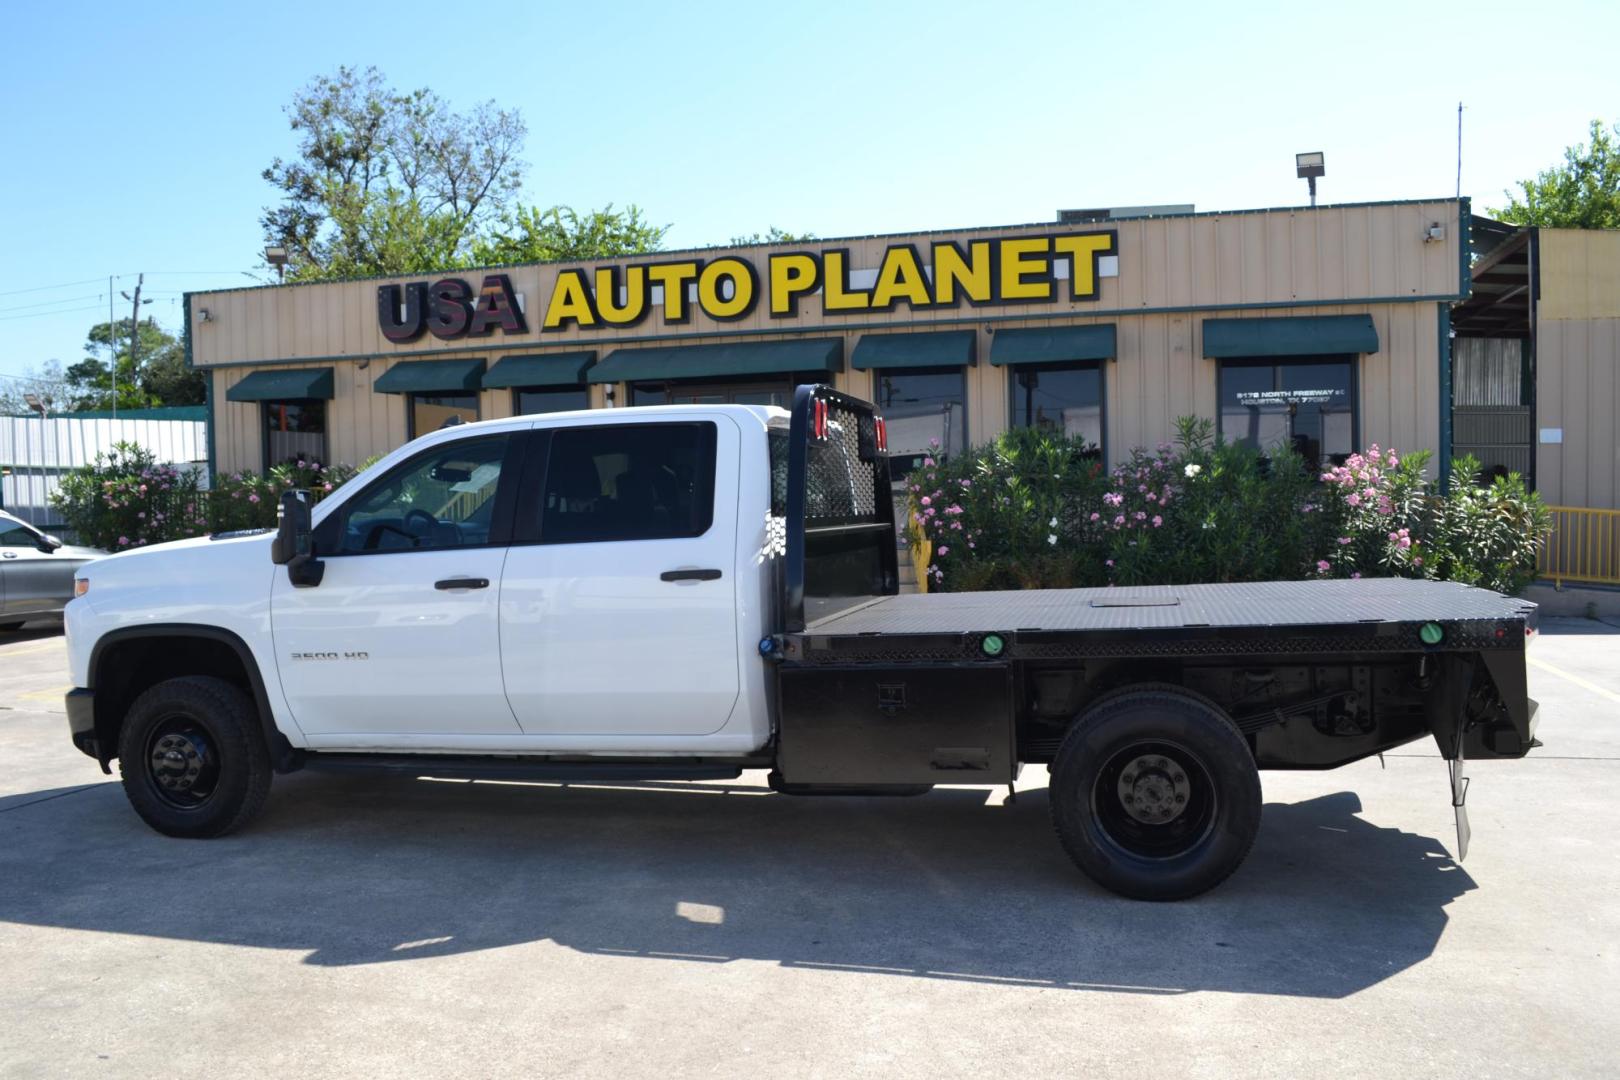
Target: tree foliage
(387, 181)
(48, 383)
(534, 235)
(155, 375)
(773, 235)
(1582, 193)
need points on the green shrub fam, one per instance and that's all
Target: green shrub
(1033, 511)
(124, 499)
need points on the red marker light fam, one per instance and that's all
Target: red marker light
(882, 435)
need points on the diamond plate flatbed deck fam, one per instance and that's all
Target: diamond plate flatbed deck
(1177, 607)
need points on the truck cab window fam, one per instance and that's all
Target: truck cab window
(628, 482)
(444, 498)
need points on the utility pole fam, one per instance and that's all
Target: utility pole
(134, 335)
(112, 346)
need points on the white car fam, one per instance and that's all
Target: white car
(36, 572)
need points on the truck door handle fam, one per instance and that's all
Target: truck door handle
(462, 583)
(689, 575)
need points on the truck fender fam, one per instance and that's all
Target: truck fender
(284, 757)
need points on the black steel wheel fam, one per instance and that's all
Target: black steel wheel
(1155, 794)
(193, 757)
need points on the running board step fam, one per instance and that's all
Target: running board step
(456, 767)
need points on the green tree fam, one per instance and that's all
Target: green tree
(562, 234)
(386, 181)
(1582, 193)
(155, 375)
(48, 383)
(773, 235)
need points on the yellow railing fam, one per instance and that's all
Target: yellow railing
(1584, 546)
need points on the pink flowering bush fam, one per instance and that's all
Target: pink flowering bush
(1031, 511)
(125, 499)
(1392, 523)
(1006, 515)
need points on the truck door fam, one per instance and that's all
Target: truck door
(401, 637)
(619, 603)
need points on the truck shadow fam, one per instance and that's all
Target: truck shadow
(941, 887)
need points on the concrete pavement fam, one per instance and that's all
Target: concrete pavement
(368, 927)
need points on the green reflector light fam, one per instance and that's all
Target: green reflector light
(1431, 633)
(992, 644)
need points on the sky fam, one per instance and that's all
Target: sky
(135, 135)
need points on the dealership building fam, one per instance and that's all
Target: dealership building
(1327, 328)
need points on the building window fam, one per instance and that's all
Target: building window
(925, 411)
(430, 412)
(1307, 404)
(773, 390)
(294, 431)
(1063, 399)
(528, 402)
(627, 482)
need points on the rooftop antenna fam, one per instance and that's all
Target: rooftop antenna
(1459, 149)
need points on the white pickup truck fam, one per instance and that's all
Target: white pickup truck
(691, 591)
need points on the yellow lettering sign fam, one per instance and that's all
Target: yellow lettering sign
(901, 277)
(837, 295)
(673, 278)
(1083, 251)
(793, 275)
(744, 286)
(570, 300)
(1022, 259)
(634, 307)
(958, 275)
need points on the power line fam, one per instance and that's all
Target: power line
(46, 288)
(48, 303)
(41, 314)
(98, 280)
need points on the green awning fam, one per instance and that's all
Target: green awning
(944, 348)
(286, 384)
(431, 376)
(548, 369)
(1048, 345)
(1302, 335)
(741, 358)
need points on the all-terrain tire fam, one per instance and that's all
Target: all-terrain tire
(193, 757)
(1155, 794)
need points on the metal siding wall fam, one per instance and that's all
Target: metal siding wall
(1580, 274)
(1281, 256)
(1285, 256)
(1577, 389)
(37, 451)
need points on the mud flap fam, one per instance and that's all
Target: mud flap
(1459, 796)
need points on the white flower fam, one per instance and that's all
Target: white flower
(1052, 523)
(1051, 538)
(1193, 470)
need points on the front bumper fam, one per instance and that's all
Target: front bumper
(81, 714)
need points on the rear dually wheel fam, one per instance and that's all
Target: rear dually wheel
(1155, 794)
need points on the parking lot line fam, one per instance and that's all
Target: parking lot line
(1576, 679)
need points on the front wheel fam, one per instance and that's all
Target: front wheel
(193, 758)
(1155, 794)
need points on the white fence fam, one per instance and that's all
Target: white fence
(35, 452)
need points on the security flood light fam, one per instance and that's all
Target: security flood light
(276, 256)
(1308, 167)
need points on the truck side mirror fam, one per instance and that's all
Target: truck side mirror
(49, 543)
(294, 545)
